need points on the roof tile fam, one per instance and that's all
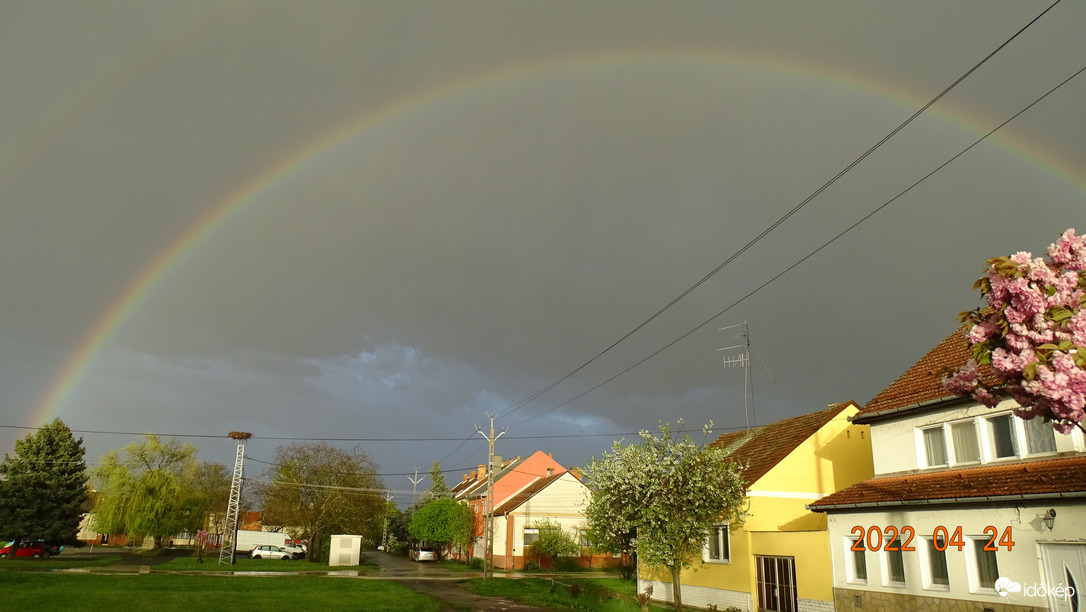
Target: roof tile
(1054, 477)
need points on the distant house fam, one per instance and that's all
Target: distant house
(560, 498)
(778, 557)
(970, 508)
(510, 477)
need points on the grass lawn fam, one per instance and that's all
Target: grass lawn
(60, 562)
(606, 594)
(52, 591)
(243, 564)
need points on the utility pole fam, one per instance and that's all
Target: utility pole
(384, 534)
(415, 484)
(742, 360)
(228, 550)
(488, 532)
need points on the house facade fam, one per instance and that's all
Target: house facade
(559, 498)
(778, 556)
(510, 477)
(970, 508)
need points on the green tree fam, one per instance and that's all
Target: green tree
(443, 523)
(316, 490)
(438, 490)
(667, 489)
(553, 541)
(43, 487)
(148, 490)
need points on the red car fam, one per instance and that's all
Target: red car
(26, 549)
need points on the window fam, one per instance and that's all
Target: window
(531, 534)
(986, 568)
(935, 446)
(858, 571)
(717, 547)
(895, 563)
(1040, 438)
(963, 434)
(1001, 438)
(936, 568)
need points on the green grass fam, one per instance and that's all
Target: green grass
(211, 564)
(60, 562)
(93, 593)
(604, 594)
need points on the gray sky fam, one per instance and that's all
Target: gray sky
(385, 220)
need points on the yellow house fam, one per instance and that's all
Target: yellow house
(778, 556)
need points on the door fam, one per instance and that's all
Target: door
(776, 583)
(1065, 566)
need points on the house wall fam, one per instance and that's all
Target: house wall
(1022, 563)
(897, 448)
(562, 502)
(838, 455)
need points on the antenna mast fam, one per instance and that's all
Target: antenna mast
(742, 360)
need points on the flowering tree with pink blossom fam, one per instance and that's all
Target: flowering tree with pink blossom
(1032, 334)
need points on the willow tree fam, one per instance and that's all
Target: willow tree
(662, 496)
(148, 490)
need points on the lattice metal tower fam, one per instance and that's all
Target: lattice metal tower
(230, 530)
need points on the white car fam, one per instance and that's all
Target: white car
(423, 553)
(269, 551)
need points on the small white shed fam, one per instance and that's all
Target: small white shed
(345, 550)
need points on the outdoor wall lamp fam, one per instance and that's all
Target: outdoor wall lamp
(1049, 519)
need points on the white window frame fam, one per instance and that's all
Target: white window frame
(850, 562)
(886, 554)
(524, 536)
(926, 570)
(723, 534)
(975, 543)
(982, 429)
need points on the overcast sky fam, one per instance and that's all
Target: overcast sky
(347, 220)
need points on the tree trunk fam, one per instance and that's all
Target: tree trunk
(676, 591)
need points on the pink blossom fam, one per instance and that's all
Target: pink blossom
(1034, 303)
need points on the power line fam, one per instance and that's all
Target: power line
(779, 221)
(814, 252)
(319, 439)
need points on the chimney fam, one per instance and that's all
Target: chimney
(577, 474)
(482, 470)
(466, 477)
(550, 471)
(497, 462)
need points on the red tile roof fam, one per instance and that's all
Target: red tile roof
(922, 382)
(1052, 478)
(761, 448)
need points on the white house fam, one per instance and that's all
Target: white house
(970, 508)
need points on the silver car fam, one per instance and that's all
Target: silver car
(424, 553)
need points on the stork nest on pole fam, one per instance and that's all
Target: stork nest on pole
(240, 435)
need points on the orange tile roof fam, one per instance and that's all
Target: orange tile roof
(922, 382)
(1052, 478)
(761, 448)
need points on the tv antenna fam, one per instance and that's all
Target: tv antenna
(742, 360)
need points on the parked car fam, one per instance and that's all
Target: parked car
(423, 553)
(36, 550)
(270, 551)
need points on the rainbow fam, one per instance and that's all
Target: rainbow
(232, 205)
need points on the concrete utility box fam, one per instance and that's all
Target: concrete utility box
(346, 550)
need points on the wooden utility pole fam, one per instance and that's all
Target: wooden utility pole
(488, 530)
